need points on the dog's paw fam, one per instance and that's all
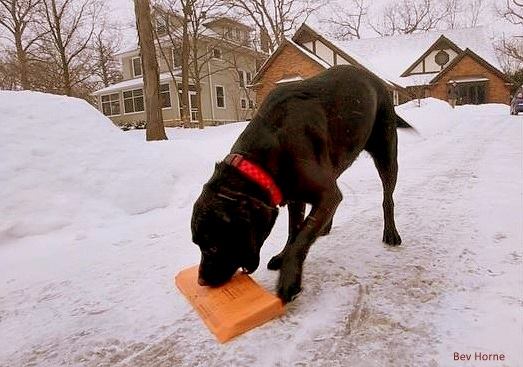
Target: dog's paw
(391, 237)
(275, 262)
(289, 286)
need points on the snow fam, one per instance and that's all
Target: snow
(95, 223)
(137, 82)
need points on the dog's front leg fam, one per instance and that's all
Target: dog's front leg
(296, 217)
(294, 254)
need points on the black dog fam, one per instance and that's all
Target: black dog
(303, 137)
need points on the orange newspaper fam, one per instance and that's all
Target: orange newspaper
(231, 309)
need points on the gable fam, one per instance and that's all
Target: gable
(470, 63)
(438, 56)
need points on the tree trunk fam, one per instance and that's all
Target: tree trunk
(186, 113)
(197, 82)
(154, 125)
(21, 55)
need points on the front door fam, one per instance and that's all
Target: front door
(193, 105)
(472, 93)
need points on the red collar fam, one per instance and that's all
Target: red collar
(256, 174)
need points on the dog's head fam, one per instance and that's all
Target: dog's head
(230, 229)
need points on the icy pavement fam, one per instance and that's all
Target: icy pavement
(97, 291)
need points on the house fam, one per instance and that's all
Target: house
(227, 60)
(412, 66)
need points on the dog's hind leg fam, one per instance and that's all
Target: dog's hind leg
(296, 216)
(382, 146)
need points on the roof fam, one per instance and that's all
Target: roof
(137, 82)
(402, 51)
(291, 43)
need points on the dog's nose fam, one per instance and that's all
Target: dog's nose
(202, 282)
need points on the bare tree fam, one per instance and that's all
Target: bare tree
(105, 47)
(410, 16)
(154, 126)
(71, 26)
(346, 23)
(475, 9)
(511, 49)
(512, 11)
(18, 17)
(275, 18)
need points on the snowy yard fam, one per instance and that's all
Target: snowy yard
(95, 223)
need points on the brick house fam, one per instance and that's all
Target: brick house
(412, 66)
(229, 60)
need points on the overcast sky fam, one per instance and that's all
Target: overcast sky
(122, 12)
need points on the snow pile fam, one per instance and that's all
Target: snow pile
(61, 158)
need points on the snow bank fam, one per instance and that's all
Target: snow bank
(63, 160)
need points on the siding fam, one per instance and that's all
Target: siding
(290, 61)
(497, 90)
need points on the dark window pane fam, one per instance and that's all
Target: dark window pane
(138, 92)
(244, 103)
(138, 104)
(128, 106)
(106, 109)
(137, 66)
(127, 94)
(105, 98)
(166, 99)
(242, 78)
(115, 107)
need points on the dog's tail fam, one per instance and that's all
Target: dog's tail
(401, 123)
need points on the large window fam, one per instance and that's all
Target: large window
(220, 96)
(111, 104)
(133, 100)
(137, 66)
(165, 95)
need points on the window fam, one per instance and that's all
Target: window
(228, 32)
(137, 66)
(111, 104)
(241, 75)
(177, 56)
(396, 97)
(245, 77)
(251, 104)
(161, 24)
(165, 95)
(238, 34)
(216, 53)
(133, 100)
(243, 103)
(220, 96)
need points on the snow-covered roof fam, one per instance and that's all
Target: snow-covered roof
(296, 78)
(137, 82)
(391, 56)
(309, 54)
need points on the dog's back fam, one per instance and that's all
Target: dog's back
(332, 114)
